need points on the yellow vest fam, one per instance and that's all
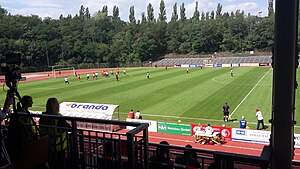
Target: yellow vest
(57, 136)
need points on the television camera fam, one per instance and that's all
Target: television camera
(12, 69)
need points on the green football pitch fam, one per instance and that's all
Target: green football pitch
(169, 95)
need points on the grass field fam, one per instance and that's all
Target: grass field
(169, 95)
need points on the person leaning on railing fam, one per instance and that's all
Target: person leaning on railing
(57, 136)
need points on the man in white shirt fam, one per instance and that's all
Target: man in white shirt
(209, 130)
(66, 80)
(260, 119)
(137, 115)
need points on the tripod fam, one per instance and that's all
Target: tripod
(4, 153)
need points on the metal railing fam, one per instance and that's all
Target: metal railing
(93, 148)
(89, 148)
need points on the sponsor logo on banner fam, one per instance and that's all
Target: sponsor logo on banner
(240, 132)
(225, 131)
(174, 128)
(87, 110)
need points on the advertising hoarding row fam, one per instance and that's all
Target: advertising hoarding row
(223, 65)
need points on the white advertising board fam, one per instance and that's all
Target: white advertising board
(297, 140)
(87, 110)
(235, 65)
(209, 65)
(255, 136)
(226, 65)
(185, 66)
(152, 124)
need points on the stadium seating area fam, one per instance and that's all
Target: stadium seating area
(213, 60)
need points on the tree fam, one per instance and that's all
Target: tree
(270, 8)
(116, 13)
(174, 14)
(182, 12)
(162, 12)
(131, 15)
(81, 12)
(150, 12)
(87, 13)
(105, 10)
(3, 12)
(207, 16)
(144, 20)
(202, 16)
(219, 11)
(212, 15)
(196, 14)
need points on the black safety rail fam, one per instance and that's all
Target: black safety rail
(87, 148)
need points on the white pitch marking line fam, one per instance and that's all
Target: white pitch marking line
(248, 94)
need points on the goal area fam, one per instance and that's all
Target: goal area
(65, 71)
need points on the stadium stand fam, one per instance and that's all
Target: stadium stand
(218, 60)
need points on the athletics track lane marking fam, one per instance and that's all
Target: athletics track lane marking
(248, 94)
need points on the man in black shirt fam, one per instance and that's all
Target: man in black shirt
(226, 112)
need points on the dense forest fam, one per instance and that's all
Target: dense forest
(103, 39)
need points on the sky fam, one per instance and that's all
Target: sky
(54, 8)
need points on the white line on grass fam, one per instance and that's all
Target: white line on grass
(248, 94)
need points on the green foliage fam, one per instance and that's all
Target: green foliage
(102, 38)
(150, 13)
(182, 12)
(162, 12)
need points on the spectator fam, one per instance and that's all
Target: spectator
(138, 115)
(57, 136)
(131, 114)
(162, 156)
(28, 101)
(243, 123)
(260, 119)
(225, 112)
(187, 158)
(21, 129)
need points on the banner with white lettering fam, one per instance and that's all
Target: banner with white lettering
(224, 131)
(88, 110)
